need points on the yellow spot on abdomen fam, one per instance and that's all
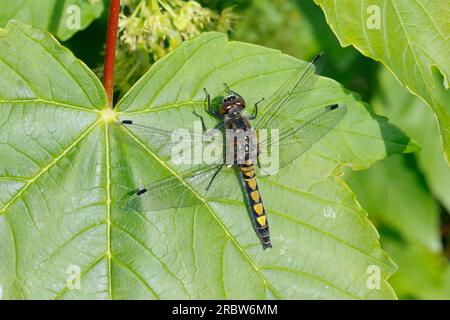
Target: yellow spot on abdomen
(255, 196)
(249, 174)
(262, 221)
(251, 183)
(259, 209)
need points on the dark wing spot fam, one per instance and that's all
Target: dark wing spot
(333, 106)
(141, 191)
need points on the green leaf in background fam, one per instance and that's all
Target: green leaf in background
(278, 24)
(412, 115)
(64, 166)
(57, 16)
(403, 203)
(409, 37)
(396, 194)
(300, 29)
(421, 274)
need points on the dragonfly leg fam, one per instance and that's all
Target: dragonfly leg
(255, 111)
(227, 88)
(228, 91)
(201, 119)
(210, 109)
(219, 126)
(214, 176)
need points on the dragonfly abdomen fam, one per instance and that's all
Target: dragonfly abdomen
(256, 205)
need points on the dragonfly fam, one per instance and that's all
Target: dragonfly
(204, 181)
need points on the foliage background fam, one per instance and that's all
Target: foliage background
(407, 196)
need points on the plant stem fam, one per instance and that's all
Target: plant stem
(110, 54)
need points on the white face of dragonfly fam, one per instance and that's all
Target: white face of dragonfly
(234, 113)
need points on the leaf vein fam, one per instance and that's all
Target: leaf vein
(46, 168)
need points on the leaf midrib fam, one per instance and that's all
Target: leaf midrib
(400, 20)
(50, 102)
(108, 210)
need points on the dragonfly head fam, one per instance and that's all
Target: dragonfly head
(230, 102)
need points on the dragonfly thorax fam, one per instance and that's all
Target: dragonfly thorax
(234, 113)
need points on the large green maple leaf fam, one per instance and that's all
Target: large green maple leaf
(64, 165)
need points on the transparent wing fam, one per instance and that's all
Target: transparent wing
(295, 139)
(160, 140)
(184, 190)
(296, 88)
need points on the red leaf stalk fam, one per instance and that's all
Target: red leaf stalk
(113, 25)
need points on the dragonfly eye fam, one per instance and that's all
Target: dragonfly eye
(229, 98)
